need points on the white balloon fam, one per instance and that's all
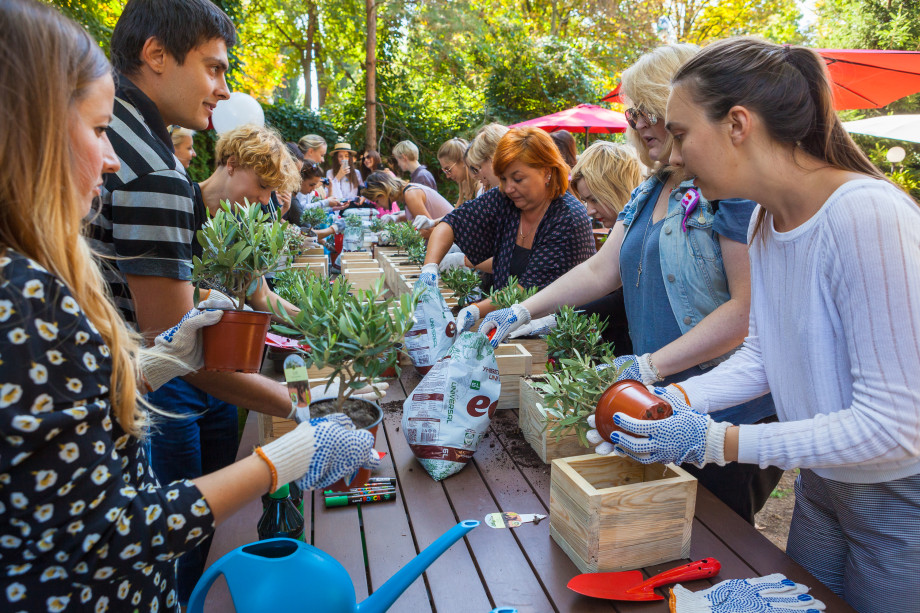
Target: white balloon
(240, 109)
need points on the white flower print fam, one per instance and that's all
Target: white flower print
(121, 441)
(24, 528)
(100, 475)
(81, 428)
(104, 573)
(102, 605)
(55, 357)
(65, 489)
(157, 540)
(175, 521)
(62, 556)
(45, 479)
(17, 336)
(194, 533)
(43, 512)
(26, 423)
(43, 404)
(10, 393)
(136, 599)
(172, 495)
(74, 385)
(163, 557)
(104, 551)
(154, 606)
(18, 500)
(130, 551)
(58, 603)
(123, 588)
(8, 541)
(104, 351)
(4, 261)
(138, 565)
(69, 305)
(112, 514)
(124, 525)
(6, 309)
(89, 360)
(19, 458)
(81, 568)
(128, 491)
(69, 452)
(38, 373)
(81, 337)
(15, 591)
(85, 595)
(34, 289)
(200, 508)
(17, 569)
(89, 540)
(147, 570)
(5, 479)
(171, 599)
(46, 544)
(107, 423)
(46, 329)
(76, 412)
(15, 440)
(99, 447)
(52, 433)
(77, 507)
(53, 572)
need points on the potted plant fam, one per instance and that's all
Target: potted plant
(511, 294)
(576, 331)
(312, 218)
(353, 332)
(353, 236)
(405, 236)
(464, 283)
(239, 245)
(416, 253)
(293, 242)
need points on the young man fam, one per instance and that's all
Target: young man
(406, 154)
(171, 60)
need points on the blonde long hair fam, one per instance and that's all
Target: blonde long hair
(452, 152)
(46, 64)
(611, 171)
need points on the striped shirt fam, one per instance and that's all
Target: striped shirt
(147, 217)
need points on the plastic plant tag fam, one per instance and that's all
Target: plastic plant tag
(298, 384)
(512, 520)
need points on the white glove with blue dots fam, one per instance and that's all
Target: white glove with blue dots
(771, 594)
(504, 322)
(429, 275)
(466, 318)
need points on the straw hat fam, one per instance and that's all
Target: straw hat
(343, 147)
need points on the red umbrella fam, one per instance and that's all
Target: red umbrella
(862, 78)
(583, 118)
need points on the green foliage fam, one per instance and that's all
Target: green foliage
(353, 221)
(404, 236)
(289, 283)
(574, 331)
(314, 217)
(293, 239)
(349, 331)
(571, 394)
(511, 294)
(294, 121)
(416, 253)
(378, 224)
(464, 282)
(906, 180)
(240, 245)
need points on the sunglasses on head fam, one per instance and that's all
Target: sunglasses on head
(633, 115)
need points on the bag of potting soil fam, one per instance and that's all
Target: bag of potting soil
(434, 331)
(445, 417)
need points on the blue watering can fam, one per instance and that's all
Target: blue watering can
(287, 575)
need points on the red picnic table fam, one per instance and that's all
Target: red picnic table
(521, 568)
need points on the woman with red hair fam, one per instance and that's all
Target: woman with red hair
(533, 228)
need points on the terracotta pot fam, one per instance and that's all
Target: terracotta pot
(632, 398)
(236, 342)
(363, 474)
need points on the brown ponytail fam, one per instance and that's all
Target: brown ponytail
(787, 86)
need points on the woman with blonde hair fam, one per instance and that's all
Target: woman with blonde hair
(479, 155)
(682, 263)
(604, 176)
(450, 157)
(313, 147)
(86, 524)
(424, 207)
(183, 141)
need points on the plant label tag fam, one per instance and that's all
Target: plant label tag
(512, 520)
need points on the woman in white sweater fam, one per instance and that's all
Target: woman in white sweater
(834, 324)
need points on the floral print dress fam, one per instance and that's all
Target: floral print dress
(84, 524)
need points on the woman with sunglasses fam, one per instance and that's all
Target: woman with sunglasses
(684, 273)
(450, 157)
(478, 156)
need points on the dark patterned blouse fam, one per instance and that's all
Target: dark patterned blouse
(84, 524)
(488, 226)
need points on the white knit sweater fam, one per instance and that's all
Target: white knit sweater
(834, 334)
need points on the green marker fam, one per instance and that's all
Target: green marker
(341, 501)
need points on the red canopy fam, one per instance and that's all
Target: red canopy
(582, 118)
(862, 78)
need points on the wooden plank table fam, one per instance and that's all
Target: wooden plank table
(521, 568)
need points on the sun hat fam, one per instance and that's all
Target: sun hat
(343, 147)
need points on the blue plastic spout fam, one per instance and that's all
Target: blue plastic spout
(383, 598)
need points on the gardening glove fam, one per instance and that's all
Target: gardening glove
(319, 452)
(504, 322)
(536, 327)
(371, 392)
(686, 436)
(466, 318)
(635, 367)
(771, 594)
(388, 218)
(429, 275)
(177, 351)
(452, 260)
(213, 299)
(421, 222)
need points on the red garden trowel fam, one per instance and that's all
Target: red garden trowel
(629, 585)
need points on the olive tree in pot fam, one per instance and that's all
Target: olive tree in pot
(576, 331)
(354, 334)
(239, 244)
(464, 283)
(312, 218)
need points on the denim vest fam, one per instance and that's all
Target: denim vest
(691, 261)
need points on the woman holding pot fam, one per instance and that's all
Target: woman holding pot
(86, 524)
(344, 180)
(835, 271)
(685, 276)
(532, 227)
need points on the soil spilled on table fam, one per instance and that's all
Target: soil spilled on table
(505, 425)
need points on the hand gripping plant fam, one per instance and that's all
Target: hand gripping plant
(348, 331)
(571, 394)
(576, 331)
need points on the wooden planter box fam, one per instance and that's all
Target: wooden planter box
(314, 251)
(361, 264)
(532, 420)
(610, 513)
(319, 268)
(362, 278)
(355, 255)
(514, 362)
(537, 349)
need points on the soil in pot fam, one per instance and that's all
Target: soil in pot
(363, 414)
(236, 343)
